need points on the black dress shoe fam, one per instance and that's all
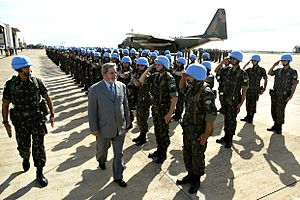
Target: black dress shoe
(121, 182)
(141, 142)
(155, 154)
(185, 180)
(161, 159)
(102, 166)
(26, 164)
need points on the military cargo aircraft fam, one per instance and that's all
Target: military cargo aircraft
(216, 31)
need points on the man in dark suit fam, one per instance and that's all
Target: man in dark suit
(108, 114)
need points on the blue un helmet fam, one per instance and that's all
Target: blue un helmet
(237, 55)
(126, 51)
(206, 55)
(132, 51)
(181, 60)
(197, 71)
(21, 61)
(167, 52)
(207, 65)
(142, 61)
(169, 57)
(193, 56)
(179, 53)
(255, 58)
(153, 54)
(97, 54)
(163, 60)
(286, 56)
(82, 51)
(115, 55)
(145, 51)
(126, 59)
(106, 54)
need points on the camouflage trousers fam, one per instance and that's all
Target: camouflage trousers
(179, 105)
(193, 152)
(278, 105)
(31, 128)
(142, 115)
(230, 114)
(161, 129)
(251, 101)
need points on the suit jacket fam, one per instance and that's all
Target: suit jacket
(108, 114)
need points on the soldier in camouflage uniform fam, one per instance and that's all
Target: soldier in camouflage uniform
(220, 71)
(177, 73)
(210, 80)
(143, 101)
(236, 80)
(285, 83)
(197, 124)
(255, 74)
(28, 114)
(164, 93)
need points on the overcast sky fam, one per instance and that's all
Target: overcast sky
(251, 25)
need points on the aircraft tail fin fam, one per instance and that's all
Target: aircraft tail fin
(217, 27)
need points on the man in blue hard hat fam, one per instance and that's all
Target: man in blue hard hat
(28, 114)
(285, 83)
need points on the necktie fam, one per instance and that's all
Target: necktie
(111, 89)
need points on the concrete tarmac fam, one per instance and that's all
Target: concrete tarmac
(260, 165)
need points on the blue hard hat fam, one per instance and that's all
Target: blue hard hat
(167, 52)
(144, 51)
(88, 52)
(97, 54)
(156, 51)
(179, 53)
(237, 55)
(197, 71)
(21, 61)
(206, 64)
(255, 58)
(169, 57)
(108, 50)
(153, 54)
(106, 54)
(132, 51)
(116, 51)
(142, 61)
(193, 56)
(163, 60)
(125, 51)
(126, 59)
(115, 55)
(181, 60)
(286, 56)
(206, 55)
(82, 51)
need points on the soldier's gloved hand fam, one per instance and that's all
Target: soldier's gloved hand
(8, 129)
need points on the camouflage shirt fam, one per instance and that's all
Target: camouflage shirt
(255, 75)
(200, 105)
(221, 77)
(162, 88)
(143, 91)
(235, 80)
(24, 95)
(284, 79)
(127, 78)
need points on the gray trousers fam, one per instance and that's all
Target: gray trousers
(103, 145)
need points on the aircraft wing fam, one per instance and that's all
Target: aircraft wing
(139, 37)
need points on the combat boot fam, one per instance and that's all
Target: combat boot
(245, 119)
(278, 129)
(228, 143)
(137, 139)
(195, 184)
(155, 154)
(162, 156)
(222, 140)
(273, 128)
(250, 119)
(185, 180)
(26, 164)
(40, 177)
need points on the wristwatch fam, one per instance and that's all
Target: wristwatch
(5, 122)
